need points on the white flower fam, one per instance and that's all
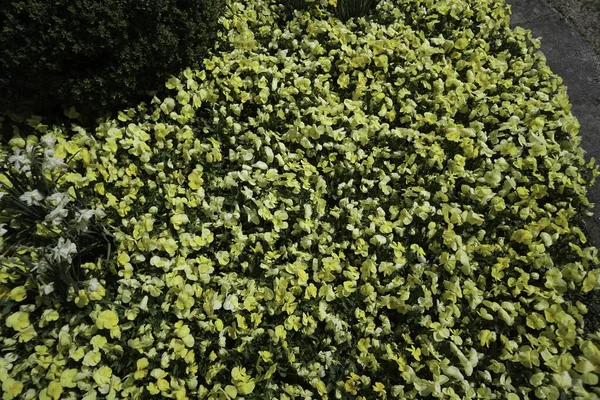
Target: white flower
(33, 197)
(51, 162)
(61, 199)
(41, 266)
(47, 289)
(21, 163)
(56, 216)
(48, 141)
(84, 215)
(64, 250)
(48, 153)
(93, 285)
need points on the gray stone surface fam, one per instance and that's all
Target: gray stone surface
(584, 16)
(574, 60)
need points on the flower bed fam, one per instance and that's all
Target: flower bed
(389, 207)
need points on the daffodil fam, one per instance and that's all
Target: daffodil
(33, 197)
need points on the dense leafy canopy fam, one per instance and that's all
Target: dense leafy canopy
(389, 207)
(97, 55)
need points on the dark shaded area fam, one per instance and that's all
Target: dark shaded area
(97, 55)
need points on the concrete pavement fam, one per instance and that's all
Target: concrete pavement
(573, 59)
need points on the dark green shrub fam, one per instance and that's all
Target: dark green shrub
(97, 55)
(347, 9)
(344, 10)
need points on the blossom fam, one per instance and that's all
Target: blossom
(50, 162)
(93, 285)
(21, 163)
(60, 198)
(107, 319)
(48, 141)
(18, 321)
(82, 217)
(47, 289)
(64, 250)
(32, 197)
(11, 388)
(56, 216)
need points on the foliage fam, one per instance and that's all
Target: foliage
(383, 208)
(97, 56)
(46, 235)
(347, 9)
(344, 9)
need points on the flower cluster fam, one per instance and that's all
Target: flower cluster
(45, 233)
(383, 208)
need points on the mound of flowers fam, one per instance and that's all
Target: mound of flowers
(389, 207)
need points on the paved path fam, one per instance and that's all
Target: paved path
(573, 59)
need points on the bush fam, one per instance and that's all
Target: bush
(97, 55)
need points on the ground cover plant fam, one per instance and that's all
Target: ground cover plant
(387, 207)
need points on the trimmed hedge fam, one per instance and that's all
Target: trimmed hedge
(97, 55)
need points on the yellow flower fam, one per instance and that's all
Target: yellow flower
(486, 336)
(18, 321)
(27, 334)
(351, 387)
(102, 375)
(141, 372)
(98, 342)
(183, 332)
(379, 387)
(99, 188)
(107, 319)
(82, 300)
(11, 388)
(169, 245)
(245, 387)
(122, 258)
(184, 301)
(195, 179)
(161, 383)
(92, 358)
(231, 391)
(416, 352)
(55, 389)
(48, 316)
(343, 80)
(179, 219)
(67, 377)
(311, 291)
(77, 354)
(18, 294)
(280, 332)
